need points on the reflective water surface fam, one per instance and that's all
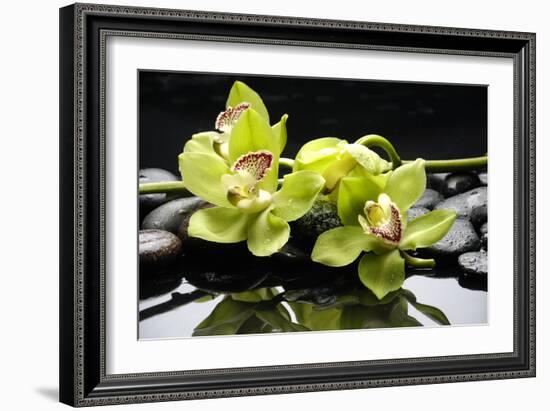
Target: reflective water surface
(208, 295)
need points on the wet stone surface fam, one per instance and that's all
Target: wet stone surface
(322, 217)
(479, 215)
(474, 263)
(416, 212)
(170, 215)
(484, 236)
(483, 178)
(429, 199)
(460, 239)
(464, 204)
(158, 247)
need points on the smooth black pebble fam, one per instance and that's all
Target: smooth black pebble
(464, 204)
(474, 263)
(157, 247)
(456, 183)
(430, 198)
(169, 216)
(148, 202)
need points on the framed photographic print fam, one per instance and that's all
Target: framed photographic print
(261, 204)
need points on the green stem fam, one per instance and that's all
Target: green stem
(417, 262)
(432, 166)
(287, 162)
(162, 187)
(460, 164)
(374, 140)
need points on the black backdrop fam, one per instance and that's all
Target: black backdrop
(432, 121)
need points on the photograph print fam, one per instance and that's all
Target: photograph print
(271, 204)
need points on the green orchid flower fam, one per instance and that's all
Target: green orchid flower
(244, 189)
(241, 97)
(375, 223)
(335, 158)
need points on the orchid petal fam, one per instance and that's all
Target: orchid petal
(252, 134)
(219, 224)
(256, 164)
(202, 143)
(201, 174)
(318, 154)
(341, 246)
(267, 233)
(382, 273)
(368, 159)
(383, 220)
(407, 184)
(226, 119)
(353, 192)
(338, 169)
(427, 229)
(240, 93)
(279, 130)
(297, 194)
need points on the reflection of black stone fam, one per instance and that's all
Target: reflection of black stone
(164, 281)
(473, 282)
(319, 296)
(319, 286)
(228, 270)
(313, 275)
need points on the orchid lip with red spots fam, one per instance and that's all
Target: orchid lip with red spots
(383, 220)
(227, 119)
(256, 163)
(242, 186)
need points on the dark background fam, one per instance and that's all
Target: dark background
(432, 121)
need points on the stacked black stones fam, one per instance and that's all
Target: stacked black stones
(466, 242)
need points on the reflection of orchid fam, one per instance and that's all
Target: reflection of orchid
(374, 218)
(267, 310)
(254, 311)
(334, 159)
(249, 206)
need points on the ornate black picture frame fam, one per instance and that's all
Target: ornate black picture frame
(83, 30)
